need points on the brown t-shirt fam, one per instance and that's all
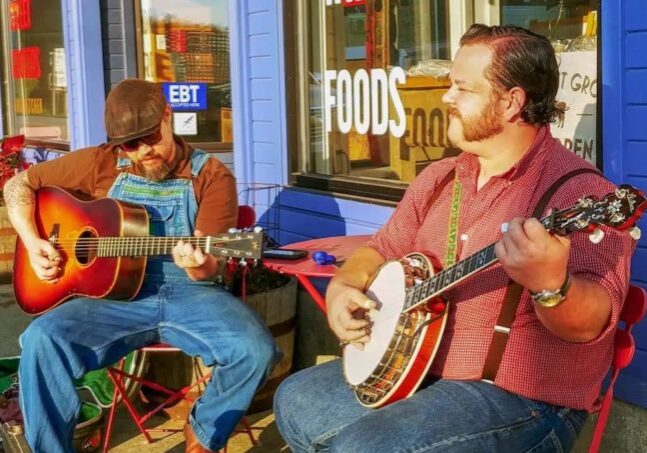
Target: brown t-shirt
(93, 171)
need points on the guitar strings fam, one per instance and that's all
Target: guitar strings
(150, 240)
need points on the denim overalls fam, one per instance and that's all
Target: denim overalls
(200, 318)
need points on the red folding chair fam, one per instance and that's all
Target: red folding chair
(246, 219)
(624, 348)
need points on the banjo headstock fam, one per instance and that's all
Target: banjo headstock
(619, 210)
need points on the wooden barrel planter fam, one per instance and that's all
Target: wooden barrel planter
(7, 246)
(277, 308)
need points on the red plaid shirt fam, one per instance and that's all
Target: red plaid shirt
(536, 364)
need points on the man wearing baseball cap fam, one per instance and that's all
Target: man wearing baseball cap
(186, 192)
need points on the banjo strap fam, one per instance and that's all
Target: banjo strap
(452, 231)
(514, 291)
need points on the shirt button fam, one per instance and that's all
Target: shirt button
(464, 237)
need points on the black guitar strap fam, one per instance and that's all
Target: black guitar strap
(514, 291)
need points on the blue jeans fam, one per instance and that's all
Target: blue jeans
(87, 334)
(316, 411)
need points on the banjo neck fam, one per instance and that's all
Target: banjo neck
(449, 277)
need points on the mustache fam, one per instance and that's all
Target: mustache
(453, 111)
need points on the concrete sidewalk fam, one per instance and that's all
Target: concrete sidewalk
(127, 439)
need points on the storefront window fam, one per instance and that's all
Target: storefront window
(34, 92)
(370, 75)
(186, 49)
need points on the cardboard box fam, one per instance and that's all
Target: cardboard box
(425, 138)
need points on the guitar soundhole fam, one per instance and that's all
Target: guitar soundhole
(86, 247)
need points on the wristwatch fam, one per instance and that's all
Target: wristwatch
(551, 298)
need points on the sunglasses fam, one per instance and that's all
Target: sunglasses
(150, 139)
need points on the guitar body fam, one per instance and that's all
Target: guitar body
(395, 361)
(70, 221)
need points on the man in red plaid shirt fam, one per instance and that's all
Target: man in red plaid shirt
(502, 98)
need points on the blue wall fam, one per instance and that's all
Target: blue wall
(258, 102)
(624, 102)
(84, 63)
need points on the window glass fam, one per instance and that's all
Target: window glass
(34, 92)
(186, 49)
(370, 74)
(572, 27)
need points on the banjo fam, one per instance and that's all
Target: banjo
(408, 325)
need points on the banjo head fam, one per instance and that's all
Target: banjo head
(388, 290)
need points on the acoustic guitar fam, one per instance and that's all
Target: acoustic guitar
(104, 244)
(408, 325)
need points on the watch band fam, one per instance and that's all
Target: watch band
(562, 290)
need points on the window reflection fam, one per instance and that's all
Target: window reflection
(187, 41)
(33, 55)
(376, 72)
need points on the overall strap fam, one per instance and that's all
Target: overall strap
(514, 290)
(198, 159)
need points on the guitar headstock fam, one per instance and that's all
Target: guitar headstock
(242, 245)
(619, 210)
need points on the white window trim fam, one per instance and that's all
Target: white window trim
(464, 13)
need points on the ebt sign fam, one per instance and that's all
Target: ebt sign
(361, 100)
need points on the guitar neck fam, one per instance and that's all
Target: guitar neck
(449, 277)
(244, 245)
(146, 245)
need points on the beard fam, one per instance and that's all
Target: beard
(478, 127)
(157, 174)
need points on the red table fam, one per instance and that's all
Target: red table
(305, 268)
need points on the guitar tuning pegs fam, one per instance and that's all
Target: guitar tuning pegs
(635, 233)
(596, 236)
(258, 229)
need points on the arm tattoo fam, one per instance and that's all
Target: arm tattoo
(17, 192)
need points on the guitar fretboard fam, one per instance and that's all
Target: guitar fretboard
(132, 246)
(449, 277)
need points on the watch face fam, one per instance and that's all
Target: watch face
(549, 300)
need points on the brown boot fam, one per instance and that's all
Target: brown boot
(193, 445)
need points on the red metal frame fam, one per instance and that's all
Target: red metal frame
(117, 374)
(624, 348)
